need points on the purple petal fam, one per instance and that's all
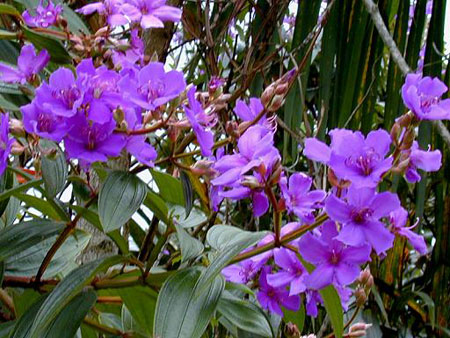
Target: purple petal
(260, 204)
(346, 273)
(312, 249)
(279, 279)
(337, 209)
(352, 234)
(356, 254)
(378, 236)
(320, 277)
(384, 203)
(379, 140)
(316, 150)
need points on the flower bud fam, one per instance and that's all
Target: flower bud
(408, 139)
(289, 76)
(364, 276)
(358, 330)
(282, 89)
(292, 331)
(276, 103)
(395, 133)
(17, 148)
(405, 120)
(119, 115)
(16, 128)
(233, 129)
(360, 296)
(102, 32)
(250, 182)
(267, 95)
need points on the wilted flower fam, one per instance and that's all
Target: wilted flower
(28, 64)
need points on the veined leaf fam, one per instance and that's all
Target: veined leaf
(181, 298)
(54, 170)
(190, 246)
(170, 188)
(120, 197)
(41, 41)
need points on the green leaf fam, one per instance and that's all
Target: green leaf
(333, 305)
(40, 204)
(10, 10)
(181, 311)
(19, 188)
(54, 169)
(141, 302)
(67, 290)
(120, 197)
(56, 50)
(157, 205)
(244, 315)
(70, 318)
(6, 182)
(188, 192)
(15, 239)
(190, 246)
(28, 261)
(295, 317)
(229, 247)
(170, 188)
(10, 214)
(195, 218)
(23, 326)
(6, 35)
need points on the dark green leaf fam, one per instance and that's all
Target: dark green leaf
(295, 317)
(6, 182)
(54, 169)
(188, 192)
(244, 315)
(15, 239)
(23, 326)
(19, 188)
(190, 246)
(157, 205)
(333, 305)
(56, 50)
(182, 311)
(66, 290)
(10, 10)
(120, 196)
(170, 188)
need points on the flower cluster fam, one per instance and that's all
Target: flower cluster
(44, 16)
(147, 13)
(361, 221)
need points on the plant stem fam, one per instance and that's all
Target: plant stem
(103, 328)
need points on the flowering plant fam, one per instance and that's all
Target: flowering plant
(167, 172)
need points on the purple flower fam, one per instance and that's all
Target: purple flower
(153, 13)
(299, 199)
(312, 299)
(5, 143)
(273, 298)
(292, 272)
(43, 122)
(28, 64)
(90, 142)
(45, 16)
(423, 97)
(420, 159)
(250, 112)
(256, 156)
(398, 219)
(360, 216)
(116, 11)
(335, 262)
(61, 95)
(153, 87)
(200, 122)
(353, 157)
(133, 54)
(243, 272)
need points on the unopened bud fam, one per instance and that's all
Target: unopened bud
(405, 120)
(16, 128)
(360, 296)
(232, 129)
(369, 283)
(395, 133)
(289, 76)
(364, 276)
(214, 86)
(292, 331)
(276, 103)
(358, 330)
(17, 148)
(102, 31)
(282, 89)
(267, 95)
(408, 139)
(119, 115)
(203, 168)
(250, 182)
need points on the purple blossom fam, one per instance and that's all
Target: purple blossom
(134, 52)
(250, 112)
(312, 299)
(155, 12)
(352, 157)
(245, 271)
(298, 197)
(153, 86)
(245, 173)
(360, 215)
(28, 65)
(422, 95)
(335, 262)
(5, 143)
(61, 95)
(90, 141)
(43, 122)
(273, 298)
(45, 16)
(291, 272)
(398, 219)
(116, 11)
(201, 123)
(421, 159)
